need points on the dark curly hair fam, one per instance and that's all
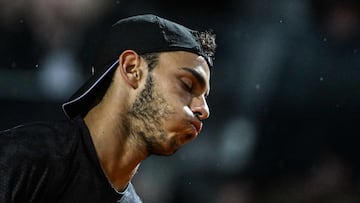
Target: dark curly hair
(207, 42)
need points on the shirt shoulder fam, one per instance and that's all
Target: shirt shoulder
(40, 139)
(33, 158)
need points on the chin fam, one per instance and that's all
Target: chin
(168, 149)
(173, 143)
(165, 152)
(168, 153)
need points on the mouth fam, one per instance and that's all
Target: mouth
(192, 132)
(197, 126)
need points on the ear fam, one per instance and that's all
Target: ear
(130, 67)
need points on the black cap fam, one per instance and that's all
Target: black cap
(142, 33)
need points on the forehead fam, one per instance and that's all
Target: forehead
(172, 61)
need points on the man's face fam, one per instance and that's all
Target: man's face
(168, 111)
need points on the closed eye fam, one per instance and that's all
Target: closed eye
(188, 85)
(198, 77)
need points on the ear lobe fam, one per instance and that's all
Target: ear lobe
(129, 65)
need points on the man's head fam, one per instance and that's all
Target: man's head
(165, 68)
(144, 34)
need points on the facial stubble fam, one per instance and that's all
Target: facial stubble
(147, 116)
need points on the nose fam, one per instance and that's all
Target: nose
(200, 108)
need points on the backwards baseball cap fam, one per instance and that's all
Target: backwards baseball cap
(142, 33)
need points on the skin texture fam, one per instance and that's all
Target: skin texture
(145, 113)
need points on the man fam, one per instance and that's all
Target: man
(147, 95)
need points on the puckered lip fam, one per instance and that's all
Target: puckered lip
(197, 125)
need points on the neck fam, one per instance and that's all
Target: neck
(119, 152)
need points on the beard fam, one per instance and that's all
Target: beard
(146, 118)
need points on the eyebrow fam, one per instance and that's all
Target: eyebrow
(198, 77)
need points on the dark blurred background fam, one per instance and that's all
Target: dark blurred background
(285, 96)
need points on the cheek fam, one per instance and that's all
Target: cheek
(188, 111)
(179, 100)
(181, 108)
(177, 92)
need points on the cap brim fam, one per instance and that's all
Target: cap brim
(83, 98)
